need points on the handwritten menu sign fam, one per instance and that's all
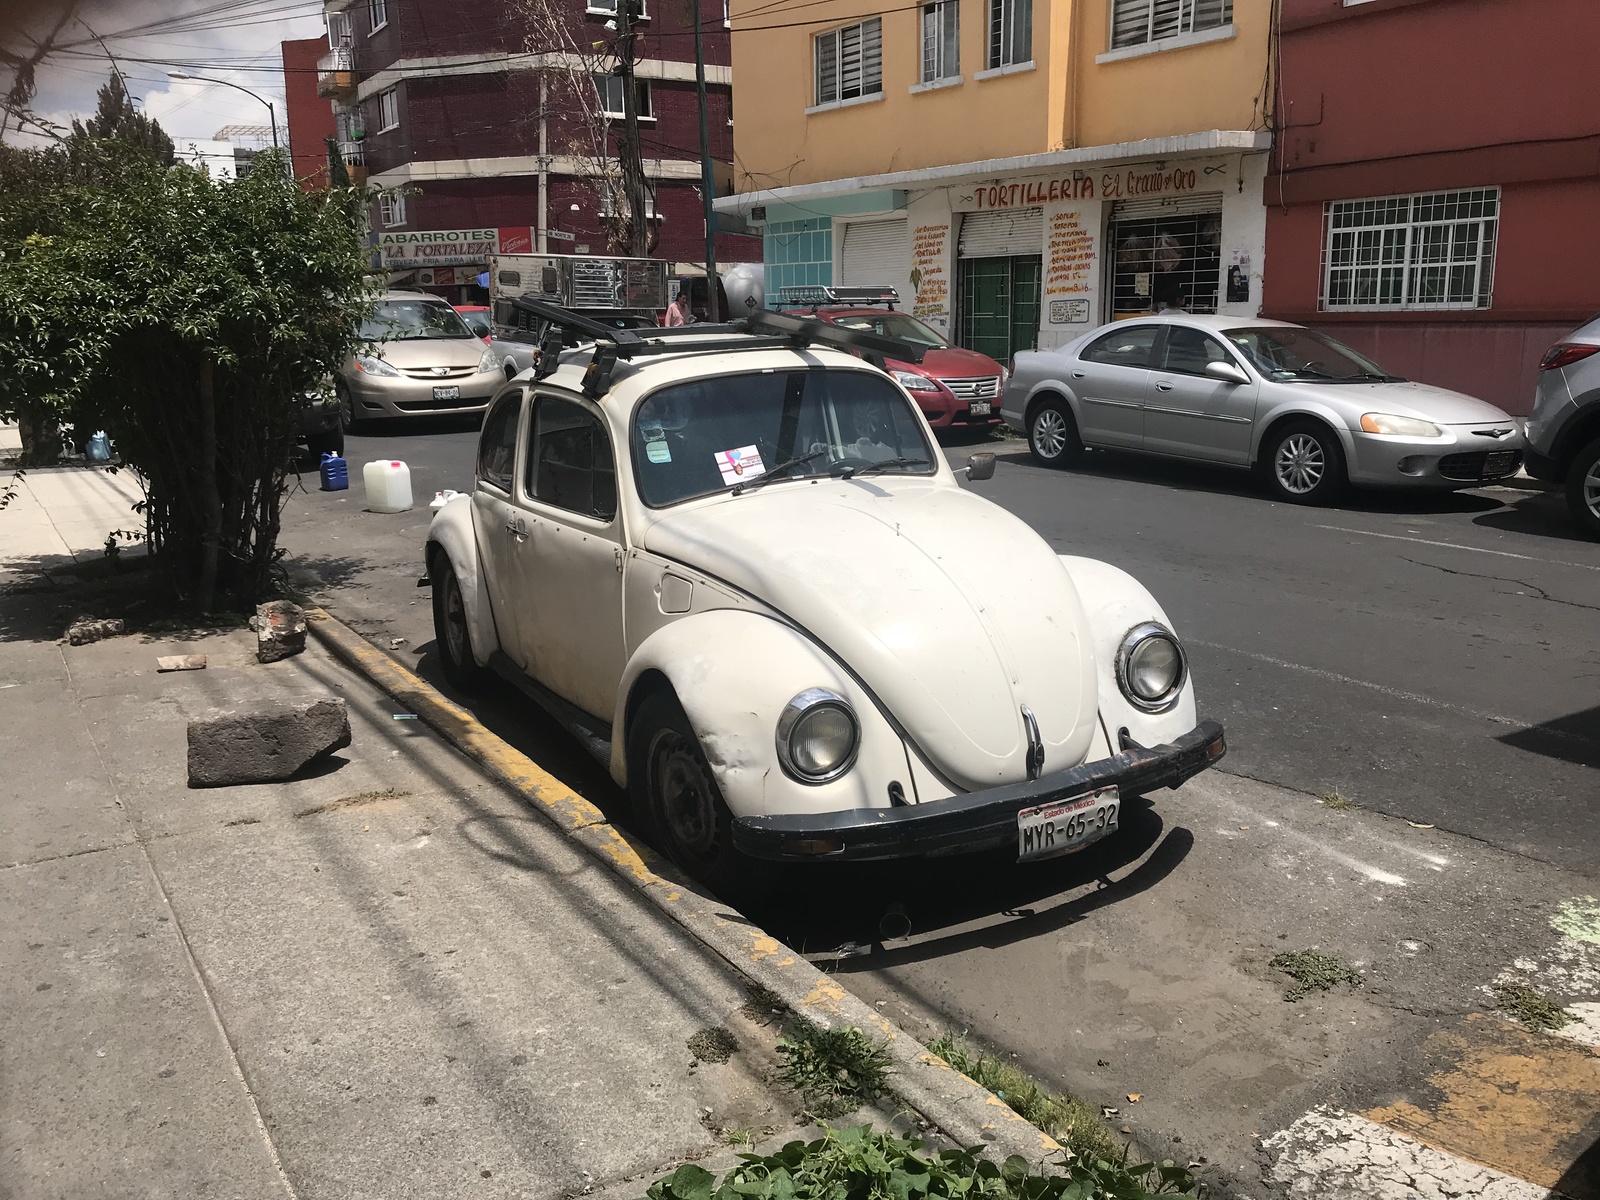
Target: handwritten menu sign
(928, 274)
(1071, 258)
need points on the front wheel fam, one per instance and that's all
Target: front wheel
(1053, 435)
(1583, 489)
(1304, 464)
(450, 629)
(676, 797)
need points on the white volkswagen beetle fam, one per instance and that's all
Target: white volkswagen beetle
(734, 563)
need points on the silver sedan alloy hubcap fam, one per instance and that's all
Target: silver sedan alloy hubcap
(1591, 489)
(1049, 433)
(1300, 464)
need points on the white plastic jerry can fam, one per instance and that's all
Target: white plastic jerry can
(388, 486)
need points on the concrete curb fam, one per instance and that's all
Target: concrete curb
(966, 1112)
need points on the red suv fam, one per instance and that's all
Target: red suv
(952, 386)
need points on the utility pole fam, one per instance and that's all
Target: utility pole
(708, 184)
(632, 164)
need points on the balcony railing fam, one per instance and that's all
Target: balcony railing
(336, 72)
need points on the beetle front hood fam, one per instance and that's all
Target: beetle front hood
(952, 611)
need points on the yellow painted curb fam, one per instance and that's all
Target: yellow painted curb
(965, 1111)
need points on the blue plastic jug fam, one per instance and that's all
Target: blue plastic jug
(335, 473)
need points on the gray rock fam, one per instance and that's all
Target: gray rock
(267, 745)
(280, 630)
(87, 629)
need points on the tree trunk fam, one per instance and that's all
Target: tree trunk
(41, 437)
(210, 498)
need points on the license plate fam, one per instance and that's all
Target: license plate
(979, 408)
(1066, 825)
(1500, 462)
(447, 393)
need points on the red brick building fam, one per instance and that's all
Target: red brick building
(442, 101)
(1434, 198)
(309, 117)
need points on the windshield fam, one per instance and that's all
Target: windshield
(892, 324)
(1287, 352)
(478, 322)
(710, 435)
(412, 321)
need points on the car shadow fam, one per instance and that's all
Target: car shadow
(1574, 738)
(1221, 480)
(418, 426)
(862, 913)
(1543, 514)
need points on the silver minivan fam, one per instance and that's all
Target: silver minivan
(1564, 430)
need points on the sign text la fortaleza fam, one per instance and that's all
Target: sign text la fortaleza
(451, 247)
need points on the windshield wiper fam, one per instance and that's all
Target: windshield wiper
(883, 464)
(1376, 377)
(769, 476)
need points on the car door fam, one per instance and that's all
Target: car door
(569, 554)
(1191, 413)
(1109, 377)
(495, 515)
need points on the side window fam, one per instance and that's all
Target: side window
(1126, 347)
(570, 465)
(1189, 350)
(497, 445)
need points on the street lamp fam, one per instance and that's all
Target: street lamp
(272, 113)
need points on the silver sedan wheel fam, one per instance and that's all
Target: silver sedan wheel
(1049, 433)
(1300, 464)
(1591, 489)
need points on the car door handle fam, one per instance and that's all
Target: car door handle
(516, 528)
(1163, 387)
(1077, 374)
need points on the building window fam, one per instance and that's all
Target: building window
(1428, 251)
(608, 205)
(850, 62)
(609, 88)
(1010, 32)
(1139, 22)
(727, 14)
(941, 54)
(377, 15)
(797, 254)
(388, 110)
(392, 209)
(608, 8)
(338, 29)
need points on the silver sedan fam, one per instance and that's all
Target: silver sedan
(1311, 415)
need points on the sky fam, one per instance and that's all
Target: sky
(232, 40)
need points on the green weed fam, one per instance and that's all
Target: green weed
(1339, 802)
(1532, 1008)
(1314, 971)
(836, 1071)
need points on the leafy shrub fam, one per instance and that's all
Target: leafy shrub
(836, 1071)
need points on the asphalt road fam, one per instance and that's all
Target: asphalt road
(1431, 658)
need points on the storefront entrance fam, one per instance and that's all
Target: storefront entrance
(1000, 271)
(1166, 250)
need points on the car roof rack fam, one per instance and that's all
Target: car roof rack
(815, 295)
(760, 331)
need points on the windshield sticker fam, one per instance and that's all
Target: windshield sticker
(658, 452)
(740, 465)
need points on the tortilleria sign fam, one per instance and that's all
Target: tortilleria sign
(452, 247)
(1143, 180)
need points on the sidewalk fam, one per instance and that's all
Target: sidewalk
(385, 980)
(62, 515)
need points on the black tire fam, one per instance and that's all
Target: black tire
(1053, 435)
(676, 799)
(349, 422)
(1303, 463)
(450, 629)
(1583, 489)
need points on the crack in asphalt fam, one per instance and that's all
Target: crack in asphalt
(1538, 591)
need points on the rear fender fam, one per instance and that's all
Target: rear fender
(451, 533)
(1116, 602)
(734, 672)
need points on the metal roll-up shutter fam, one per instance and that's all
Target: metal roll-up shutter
(1169, 206)
(875, 254)
(1002, 234)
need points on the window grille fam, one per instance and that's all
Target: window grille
(1136, 22)
(1010, 32)
(1429, 251)
(850, 62)
(941, 41)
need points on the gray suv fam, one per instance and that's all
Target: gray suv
(1564, 430)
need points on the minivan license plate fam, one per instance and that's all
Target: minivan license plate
(447, 393)
(1066, 825)
(979, 408)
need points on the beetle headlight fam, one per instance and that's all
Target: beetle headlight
(818, 736)
(1151, 667)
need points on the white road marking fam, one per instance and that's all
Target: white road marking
(1395, 537)
(1567, 970)
(1333, 1155)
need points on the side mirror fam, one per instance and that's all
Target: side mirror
(980, 465)
(1227, 370)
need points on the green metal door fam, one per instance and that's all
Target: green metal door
(1000, 305)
